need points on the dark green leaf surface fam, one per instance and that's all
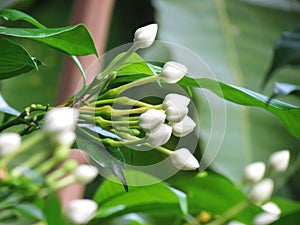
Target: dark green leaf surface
(14, 59)
(158, 199)
(73, 40)
(52, 210)
(288, 114)
(286, 52)
(215, 194)
(15, 15)
(112, 160)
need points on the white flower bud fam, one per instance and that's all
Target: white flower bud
(235, 223)
(151, 120)
(265, 219)
(184, 127)
(254, 172)
(80, 211)
(9, 142)
(184, 160)
(173, 72)
(272, 208)
(279, 161)
(160, 137)
(85, 173)
(59, 120)
(177, 99)
(64, 139)
(176, 113)
(262, 191)
(145, 36)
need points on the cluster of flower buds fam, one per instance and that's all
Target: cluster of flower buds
(262, 190)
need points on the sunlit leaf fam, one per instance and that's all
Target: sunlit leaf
(73, 40)
(156, 199)
(288, 114)
(215, 194)
(15, 15)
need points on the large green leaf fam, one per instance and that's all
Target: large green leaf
(73, 40)
(15, 15)
(235, 39)
(215, 194)
(158, 199)
(288, 114)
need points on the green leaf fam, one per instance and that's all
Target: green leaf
(4, 107)
(31, 211)
(156, 199)
(52, 210)
(14, 59)
(111, 159)
(288, 114)
(15, 15)
(286, 52)
(215, 194)
(73, 40)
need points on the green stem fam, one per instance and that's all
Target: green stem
(116, 91)
(122, 112)
(66, 168)
(30, 142)
(60, 154)
(110, 68)
(64, 182)
(232, 212)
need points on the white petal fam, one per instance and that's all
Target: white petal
(262, 191)
(85, 173)
(151, 120)
(254, 172)
(173, 72)
(160, 136)
(265, 218)
(184, 160)
(145, 36)
(279, 161)
(176, 113)
(271, 207)
(9, 142)
(184, 127)
(60, 120)
(175, 99)
(80, 211)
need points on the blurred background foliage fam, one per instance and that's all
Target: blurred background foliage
(234, 37)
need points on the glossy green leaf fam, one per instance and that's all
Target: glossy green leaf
(73, 40)
(286, 52)
(215, 194)
(31, 211)
(15, 15)
(157, 199)
(52, 210)
(111, 158)
(288, 114)
(14, 59)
